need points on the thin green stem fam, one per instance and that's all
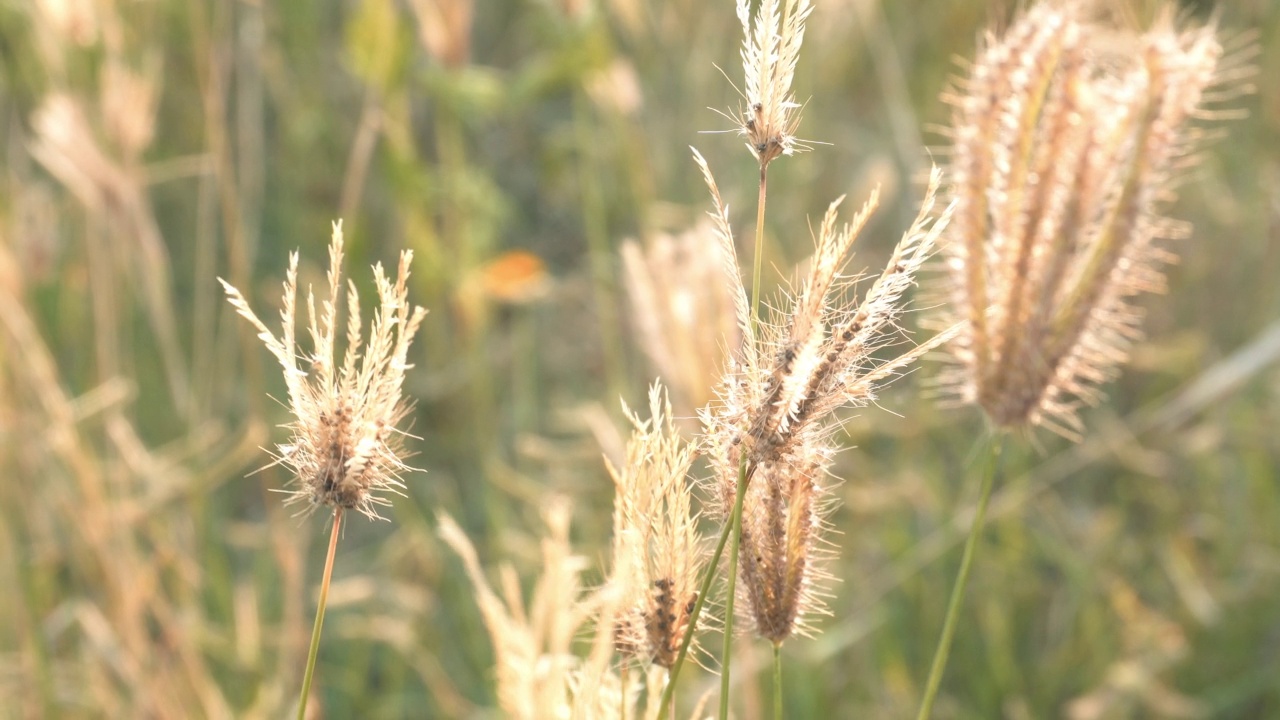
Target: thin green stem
(777, 681)
(315, 631)
(726, 655)
(940, 655)
(734, 526)
(668, 693)
(727, 652)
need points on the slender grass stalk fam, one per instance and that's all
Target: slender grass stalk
(733, 527)
(315, 631)
(668, 694)
(940, 655)
(777, 681)
(595, 225)
(731, 583)
(736, 520)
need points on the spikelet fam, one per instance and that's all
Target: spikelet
(769, 51)
(658, 553)
(1066, 142)
(786, 379)
(345, 451)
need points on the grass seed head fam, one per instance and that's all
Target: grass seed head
(658, 552)
(818, 353)
(1067, 139)
(771, 44)
(345, 451)
(682, 310)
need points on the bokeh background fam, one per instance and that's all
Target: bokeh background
(150, 146)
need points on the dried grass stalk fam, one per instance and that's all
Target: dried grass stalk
(539, 672)
(1067, 139)
(345, 451)
(533, 643)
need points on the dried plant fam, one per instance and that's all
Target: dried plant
(1067, 142)
(533, 645)
(787, 378)
(345, 450)
(109, 182)
(769, 52)
(683, 310)
(1067, 138)
(658, 553)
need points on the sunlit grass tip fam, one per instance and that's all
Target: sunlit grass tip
(818, 353)
(658, 551)
(1067, 142)
(345, 450)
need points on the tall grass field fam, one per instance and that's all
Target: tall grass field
(625, 360)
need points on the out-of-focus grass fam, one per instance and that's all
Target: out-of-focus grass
(146, 576)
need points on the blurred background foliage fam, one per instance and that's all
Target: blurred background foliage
(149, 146)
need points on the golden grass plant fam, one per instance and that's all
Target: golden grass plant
(539, 673)
(152, 147)
(345, 451)
(658, 553)
(682, 310)
(1067, 138)
(768, 435)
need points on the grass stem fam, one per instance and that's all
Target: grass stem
(600, 253)
(940, 655)
(315, 631)
(730, 582)
(736, 521)
(758, 255)
(668, 693)
(777, 681)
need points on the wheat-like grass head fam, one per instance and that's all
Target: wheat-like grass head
(771, 44)
(658, 552)
(345, 450)
(1067, 139)
(818, 353)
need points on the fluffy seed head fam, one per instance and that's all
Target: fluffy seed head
(1066, 141)
(769, 51)
(783, 383)
(345, 451)
(658, 553)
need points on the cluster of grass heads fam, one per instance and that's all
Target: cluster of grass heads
(152, 147)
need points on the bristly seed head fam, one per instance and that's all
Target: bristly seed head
(783, 383)
(345, 451)
(658, 553)
(1066, 144)
(769, 51)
